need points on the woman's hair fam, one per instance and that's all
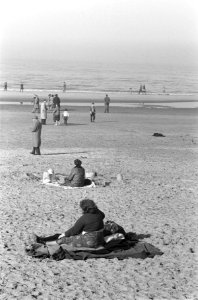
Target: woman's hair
(77, 162)
(88, 206)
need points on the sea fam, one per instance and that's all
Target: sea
(49, 76)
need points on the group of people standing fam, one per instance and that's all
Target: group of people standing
(43, 107)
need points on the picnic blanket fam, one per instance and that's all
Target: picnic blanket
(120, 249)
(56, 184)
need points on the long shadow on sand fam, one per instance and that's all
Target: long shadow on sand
(62, 153)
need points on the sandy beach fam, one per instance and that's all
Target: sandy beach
(157, 198)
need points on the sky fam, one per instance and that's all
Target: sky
(129, 31)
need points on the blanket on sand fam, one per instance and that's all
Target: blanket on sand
(119, 249)
(56, 184)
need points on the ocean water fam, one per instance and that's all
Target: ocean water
(98, 77)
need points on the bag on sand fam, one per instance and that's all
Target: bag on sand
(110, 227)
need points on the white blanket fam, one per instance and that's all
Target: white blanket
(56, 184)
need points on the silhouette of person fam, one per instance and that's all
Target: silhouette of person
(106, 102)
(5, 86)
(21, 87)
(64, 87)
(92, 112)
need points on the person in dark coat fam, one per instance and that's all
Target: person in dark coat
(56, 100)
(56, 115)
(77, 175)
(36, 136)
(86, 232)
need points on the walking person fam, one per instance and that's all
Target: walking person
(43, 112)
(64, 87)
(36, 136)
(106, 102)
(5, 86)
(92, 112)
(65, 116)
(56, 115)
(21, 87)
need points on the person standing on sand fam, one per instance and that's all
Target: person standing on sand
(43, 112)
(65, 116)
(56, 100)
(56, 115)
(21, 87)
(106, 102)
(92, 112)
(36, 101)
(5, 86)
(36, 136)
(64, 87)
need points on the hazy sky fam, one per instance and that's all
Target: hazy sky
(100, 30)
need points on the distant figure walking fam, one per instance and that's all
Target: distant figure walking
(56, 100)
(106, 103)
(43, 112)
(5, 86)
(36, 136)
(21, 87)
(140, 89)
(92, 112)
(36, 101)
(56, 115)
(65, 116)
(64, 87)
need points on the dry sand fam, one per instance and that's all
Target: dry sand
(158, 199)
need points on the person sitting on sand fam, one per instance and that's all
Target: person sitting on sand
(77, 175)
(86, 232)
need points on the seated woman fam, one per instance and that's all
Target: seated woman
(86, 232)
(77, 175)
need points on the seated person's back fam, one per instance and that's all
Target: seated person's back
(77, 175)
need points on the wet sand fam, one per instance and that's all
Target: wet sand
(157, 198)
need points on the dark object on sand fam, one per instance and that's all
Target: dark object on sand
(158, 134)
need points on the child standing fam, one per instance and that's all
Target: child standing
(65, 116)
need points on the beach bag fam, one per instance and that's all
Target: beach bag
(110, 227)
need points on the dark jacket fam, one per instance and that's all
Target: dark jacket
(88, 222)
(36, 133)
(77, 177)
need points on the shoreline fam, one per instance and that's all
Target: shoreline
(121, 100)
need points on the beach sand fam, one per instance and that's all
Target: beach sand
(157, 198)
